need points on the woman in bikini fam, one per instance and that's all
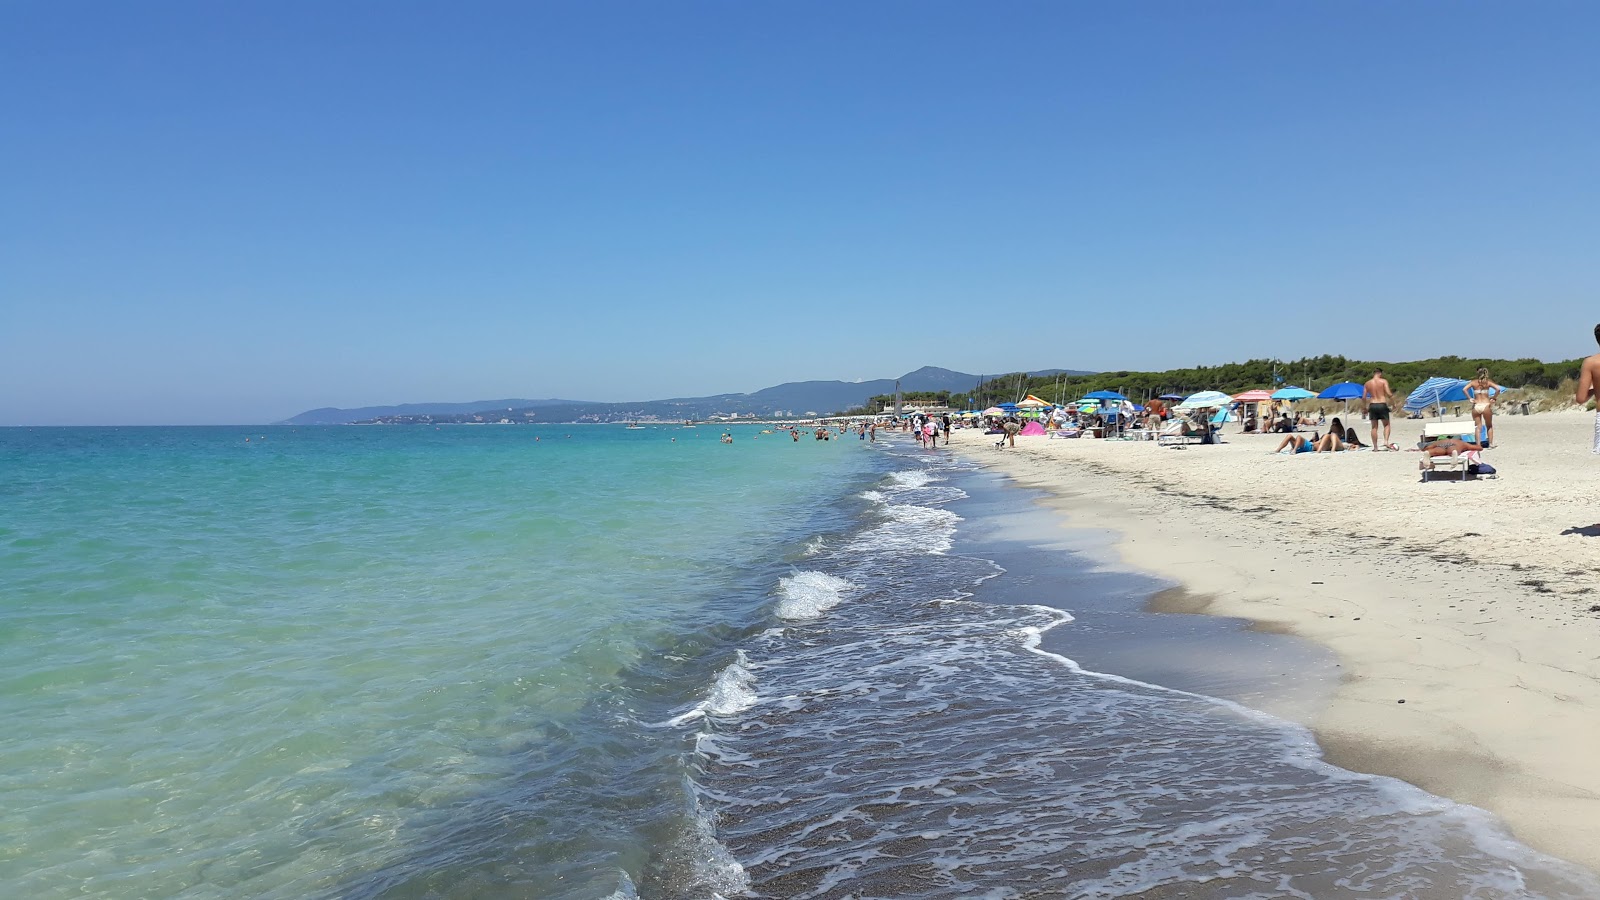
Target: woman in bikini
(1297, 443)
(1333, 441)
(1482, 391)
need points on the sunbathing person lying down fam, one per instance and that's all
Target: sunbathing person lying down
(1449, 447)
(1298, 443)
(1332, 442)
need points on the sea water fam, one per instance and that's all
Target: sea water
(377, 661)
(592, 662)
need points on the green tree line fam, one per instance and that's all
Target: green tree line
(1312, 373)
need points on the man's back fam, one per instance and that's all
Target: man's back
(1589, 379)
(1376, 390)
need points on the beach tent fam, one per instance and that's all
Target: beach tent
(1032, 428)
(1344, 390)
(1292, 393)
(1256, 396)
(1435, 392)
(1206, 400)
(1104, 395)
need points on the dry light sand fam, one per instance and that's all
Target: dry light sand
(1469, 602)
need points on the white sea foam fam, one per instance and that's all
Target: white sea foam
(815, 545)
(717, 873)
(907, 528)
(732, 692)
(912, 478)
(808, 594)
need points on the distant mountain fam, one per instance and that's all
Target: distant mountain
(794, 398)
(329, 415)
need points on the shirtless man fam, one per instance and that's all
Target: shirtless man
(1589, 386)
(1378, 396)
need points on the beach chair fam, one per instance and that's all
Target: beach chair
(1433, 466)
(1176, 433)
(1434, 431)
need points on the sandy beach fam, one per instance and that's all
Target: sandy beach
(1460, 612)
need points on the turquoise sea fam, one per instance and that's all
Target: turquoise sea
(363, 661)
(590, 662)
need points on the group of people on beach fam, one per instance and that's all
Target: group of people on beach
(1379, 398)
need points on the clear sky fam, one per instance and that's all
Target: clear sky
(231, 212)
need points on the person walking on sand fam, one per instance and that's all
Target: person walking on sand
(1482, 391)
(1588, 385)
(1378, 396)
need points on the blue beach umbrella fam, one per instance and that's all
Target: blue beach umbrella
(1292, 393)
(1435, 392)
(1104, 395)
(1170, 397)
(1344, 390)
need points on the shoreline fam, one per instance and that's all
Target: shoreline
(1472, 675)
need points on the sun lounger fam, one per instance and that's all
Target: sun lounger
(1177, 433)
(1466, 465)
(1433, 466)
(1465, 431)
(1066, 433)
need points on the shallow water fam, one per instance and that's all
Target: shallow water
(374, 661)
(910, 740)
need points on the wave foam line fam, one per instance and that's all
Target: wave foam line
(732, 692)
(808, 594)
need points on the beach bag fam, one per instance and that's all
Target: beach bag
(1480, 468)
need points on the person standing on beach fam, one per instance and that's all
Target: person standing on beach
(1378, 396)
(1588, 384)
(944, 425)
(1482, 391)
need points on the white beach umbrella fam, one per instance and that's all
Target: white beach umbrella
(1205, 400)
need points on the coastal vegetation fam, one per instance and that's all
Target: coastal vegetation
(1312, 373)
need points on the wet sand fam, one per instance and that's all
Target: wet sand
(1459, 614)
(1118, 624)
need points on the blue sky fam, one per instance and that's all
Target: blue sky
(231, 212)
